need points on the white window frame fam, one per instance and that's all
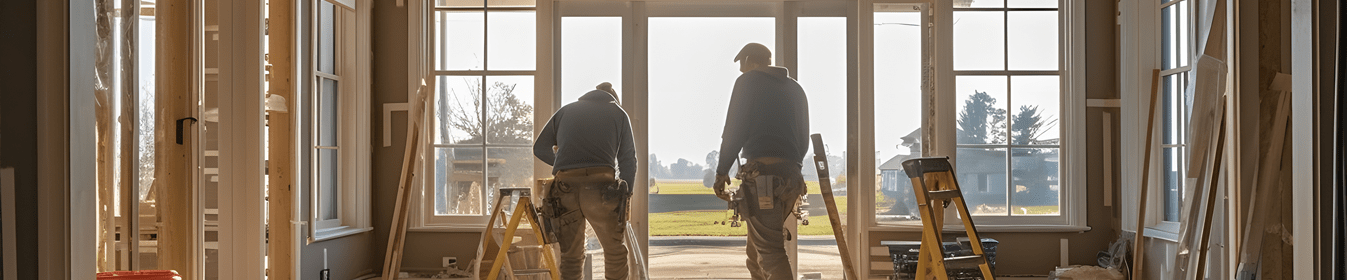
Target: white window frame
(425, 217)
(1140, 38)
(352, 47)
(940, 130)
(1167, 228)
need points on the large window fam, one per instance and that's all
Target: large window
(334, 119)
(482, 120)
(1176, 51)
(1008, 102)
(325, 146)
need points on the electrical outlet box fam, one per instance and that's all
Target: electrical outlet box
(449, 261)
(325, 274)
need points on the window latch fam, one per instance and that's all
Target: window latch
(180, 127)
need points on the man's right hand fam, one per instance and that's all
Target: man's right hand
(722, 180)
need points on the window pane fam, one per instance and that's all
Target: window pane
(1032, 3)
(691, 76)
(509, 167)
(897, 104)
(1169, 37)
(823, 75)
(982, 109)
(591, 53)
(478, 3)
(1032, 42)
(1174, 36)
(458, 110)
(1173, 181)
(980, 3)
(1035, 118)
(327, 184)
(510, 109)
(1173, 117)
(511, 40)
(979, 41)
(326, 37)
(1036, 180)
(327, 113)
(982, 177)
(458, 181)
(460, 40)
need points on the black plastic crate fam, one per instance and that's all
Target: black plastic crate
(906, 253)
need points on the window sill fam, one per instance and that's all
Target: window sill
(460, 228)
(1161, 234)
(337, 232)
(987, 228)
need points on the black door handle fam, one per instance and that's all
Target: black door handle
(180, 127)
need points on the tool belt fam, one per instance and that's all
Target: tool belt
(619, 190)
(769, 186)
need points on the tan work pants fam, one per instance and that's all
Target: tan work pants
(766, 247)
(581, 194)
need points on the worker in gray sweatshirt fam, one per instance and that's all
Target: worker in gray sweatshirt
(768, 122)
(585, 143)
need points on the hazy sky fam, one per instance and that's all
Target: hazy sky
(692, 71)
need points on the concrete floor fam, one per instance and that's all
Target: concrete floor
(723, 257)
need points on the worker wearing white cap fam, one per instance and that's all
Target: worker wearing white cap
(592, 139)
(768, 122)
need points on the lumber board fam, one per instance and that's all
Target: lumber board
(826, 188)
(174, 76)
(103, 121)
(1211, 187)
(281, 240)
(1251, 246)
(1138, 242)
(410, 163)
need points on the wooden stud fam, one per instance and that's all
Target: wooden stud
(398, 230)
(1138, 246)
(173, 161)
(1210, 187)
(280, 193)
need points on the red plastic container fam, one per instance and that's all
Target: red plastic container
(140, 275)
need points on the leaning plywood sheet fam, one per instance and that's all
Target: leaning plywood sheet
(1205, 93)
(1207, 84)
(1251, 247)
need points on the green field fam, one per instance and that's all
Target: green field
(703, 223)
(709, 223)
(696, 187)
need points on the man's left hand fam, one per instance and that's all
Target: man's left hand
(722, 180)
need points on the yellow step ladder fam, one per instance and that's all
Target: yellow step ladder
(523, 209)
(935, 186)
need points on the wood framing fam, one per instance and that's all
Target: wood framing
(174, 189)
(282, 241)
(1138, 241)
(398, 230)
(130, 132)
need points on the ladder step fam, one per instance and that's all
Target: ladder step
(532, 271)
(965, 261)
(943, 194)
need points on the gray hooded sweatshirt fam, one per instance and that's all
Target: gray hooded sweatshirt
(768, 117)
(594, 131)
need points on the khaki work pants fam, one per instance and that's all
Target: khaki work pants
(766, 247)
(581, 195)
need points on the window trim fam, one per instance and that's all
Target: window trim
(352, 36)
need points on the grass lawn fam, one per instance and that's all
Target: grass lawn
(707, 223)
(702, 223)
(696, 187)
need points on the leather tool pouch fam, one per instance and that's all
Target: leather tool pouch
(551, 211)
(620, 191)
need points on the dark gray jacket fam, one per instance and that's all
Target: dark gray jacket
(768, 117)
(594, 131)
